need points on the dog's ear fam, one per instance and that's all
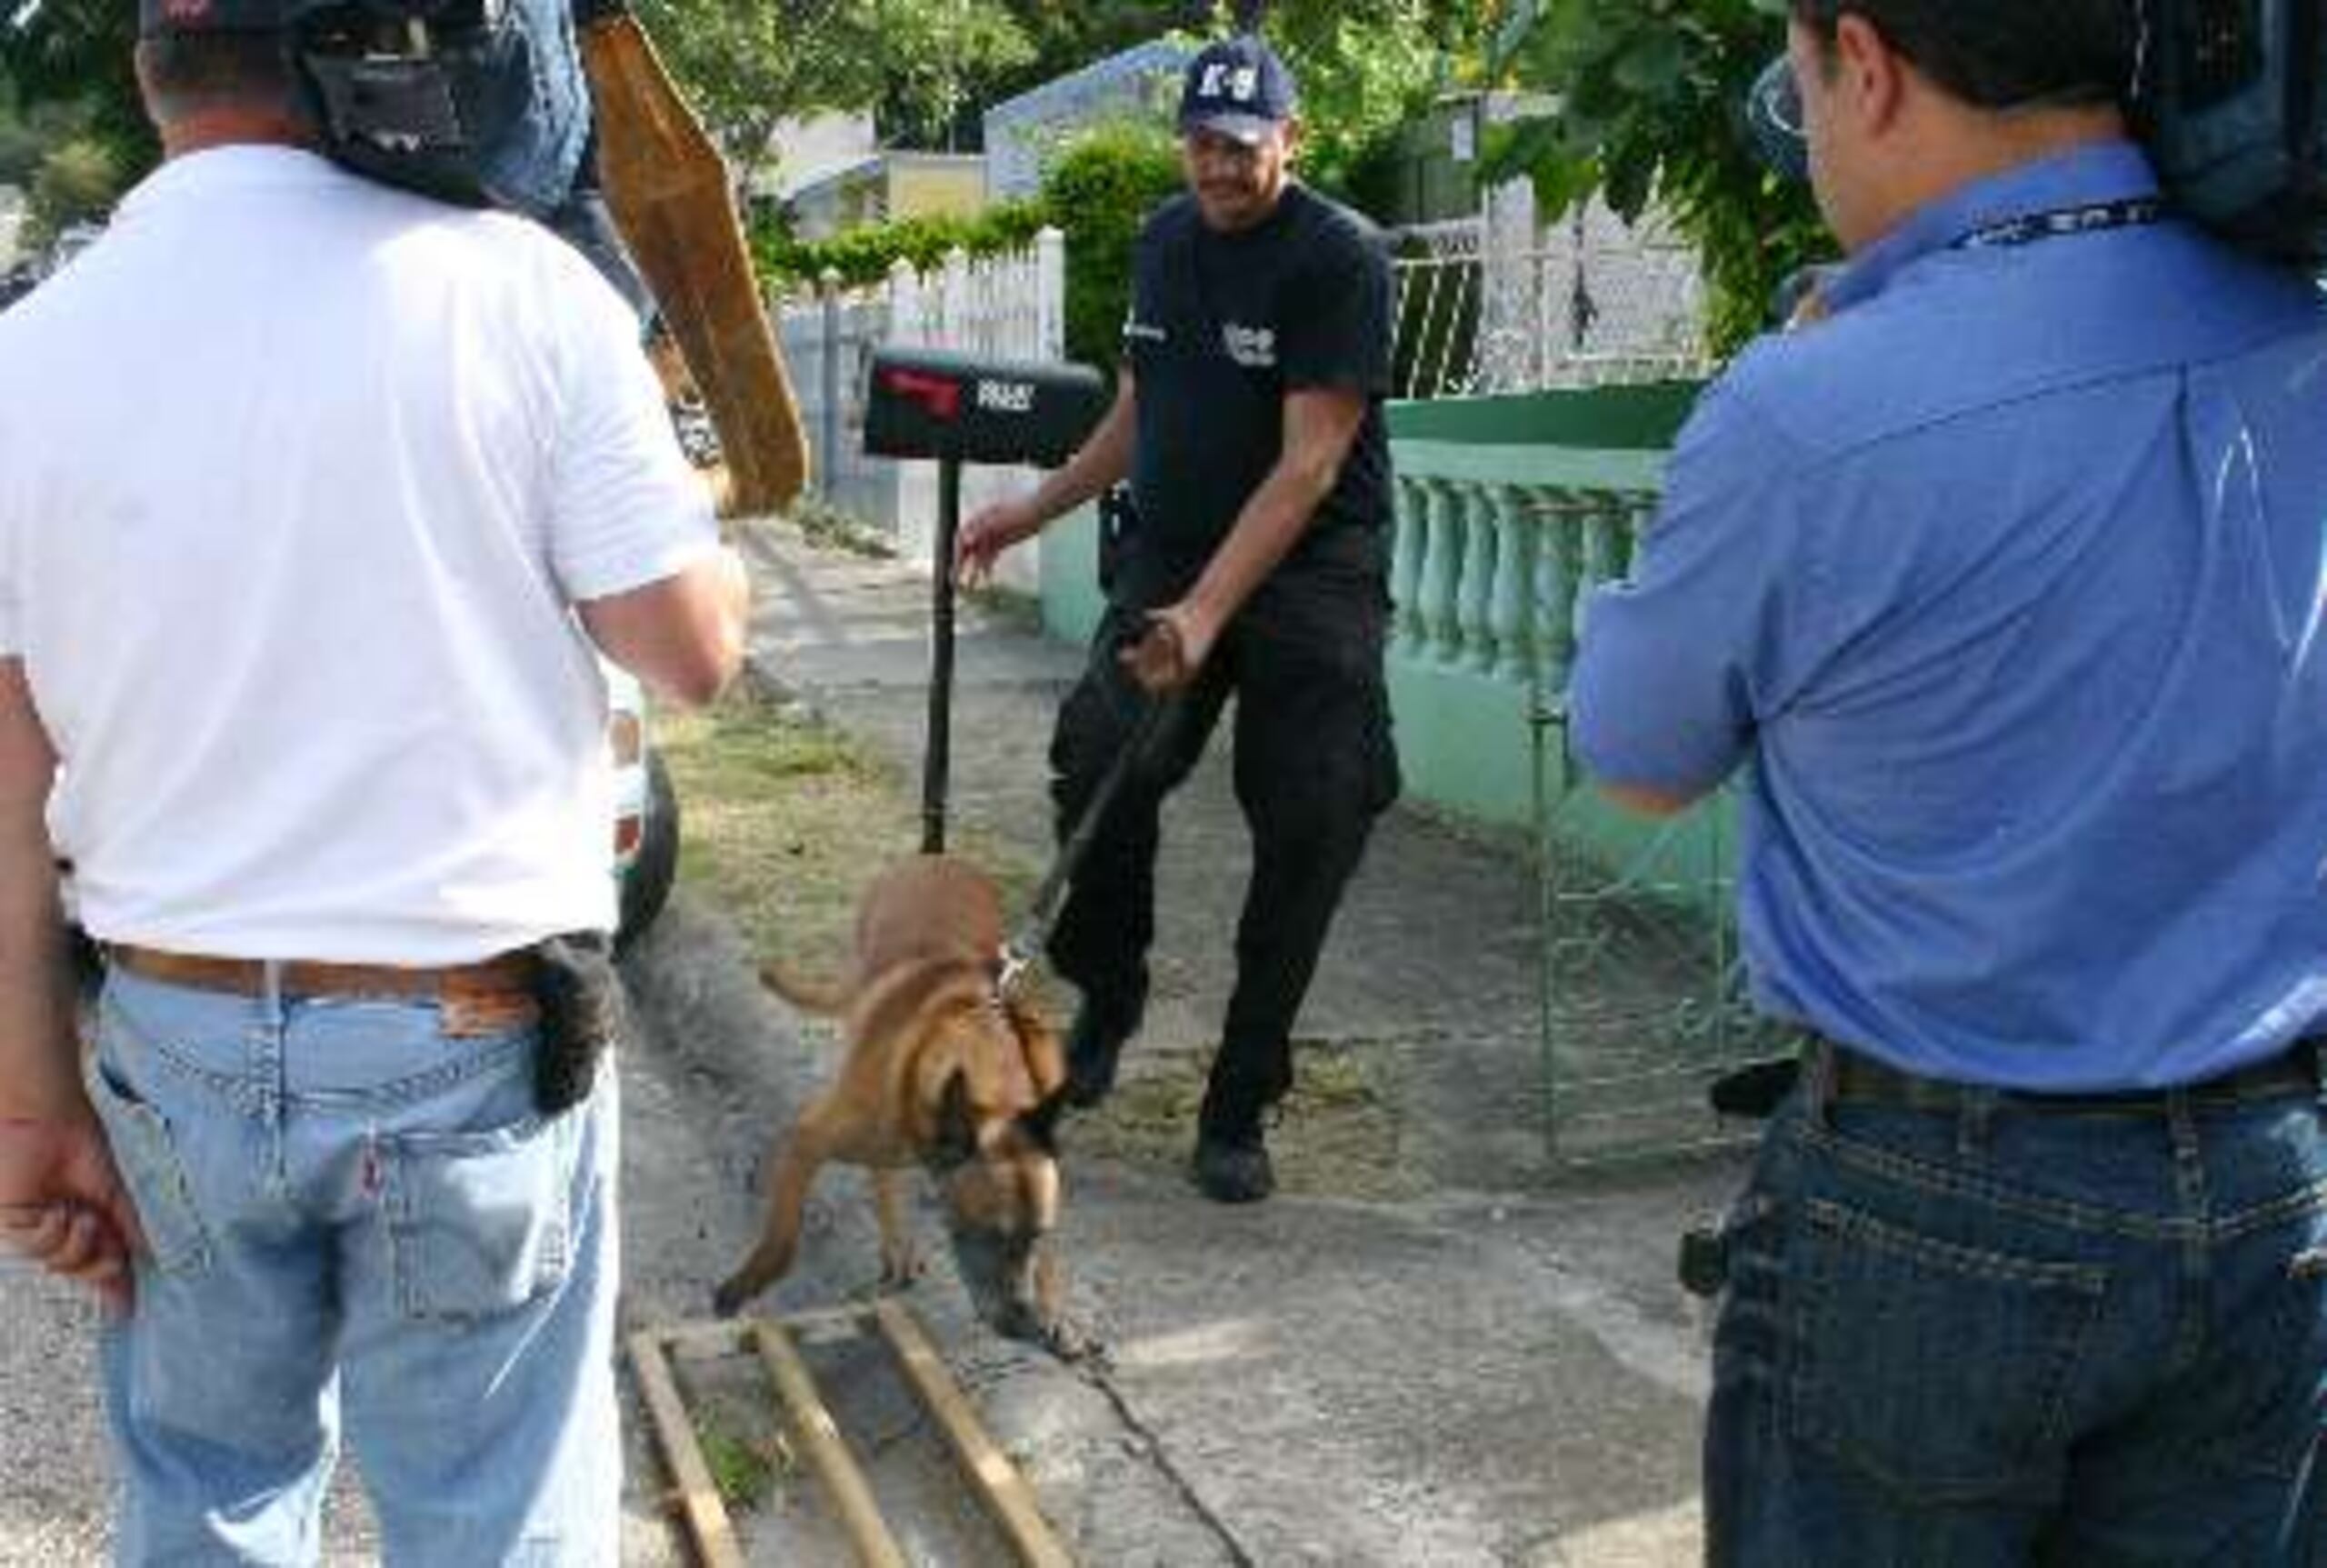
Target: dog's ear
(956, 1139)
(1041, 1124)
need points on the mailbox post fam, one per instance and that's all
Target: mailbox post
(927, 404)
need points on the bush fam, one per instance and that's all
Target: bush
(1100, 190)
(863, 258)
(77, 183)
(21, 150)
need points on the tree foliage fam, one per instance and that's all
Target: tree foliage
(749, 64)
(1364, 71)
(1650, 96)
(75, 52)
(745, 65)
(77, 183)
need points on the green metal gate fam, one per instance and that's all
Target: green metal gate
(1500, 547)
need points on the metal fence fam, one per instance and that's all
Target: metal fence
(1499, 304)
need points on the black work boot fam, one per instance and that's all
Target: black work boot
(1231, 1160)
(1092, 1048)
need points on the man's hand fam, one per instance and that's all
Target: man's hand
(988, 532)
(62, 1204)
(1177, 640)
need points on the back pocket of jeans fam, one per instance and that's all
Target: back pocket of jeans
(481, 1223)
(145, 1152)
(1942, 1370)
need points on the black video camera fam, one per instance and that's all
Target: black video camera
(2232, 106)
(477, 101)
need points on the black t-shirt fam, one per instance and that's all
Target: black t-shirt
(1222, 326)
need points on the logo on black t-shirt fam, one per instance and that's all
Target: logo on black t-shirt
(1254, 347)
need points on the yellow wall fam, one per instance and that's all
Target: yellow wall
(918, 189)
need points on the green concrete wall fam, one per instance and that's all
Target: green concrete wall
(1623, 418)
(1071, 603)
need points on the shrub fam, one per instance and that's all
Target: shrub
(77, 183)
(1099, 191)
(862, 258)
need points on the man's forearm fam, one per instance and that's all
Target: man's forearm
(1264, 532)
(40, 1075)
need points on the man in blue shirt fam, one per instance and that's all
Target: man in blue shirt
(1999, 584)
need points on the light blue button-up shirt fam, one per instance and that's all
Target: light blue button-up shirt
(2004, 588)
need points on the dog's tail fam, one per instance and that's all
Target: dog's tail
(829, 1000)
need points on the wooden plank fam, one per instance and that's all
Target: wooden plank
(999, 1481)
(820, 1440)
(704, 1340)
(706, 1516)
(709, 1339)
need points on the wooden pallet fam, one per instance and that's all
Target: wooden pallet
(998, 1483)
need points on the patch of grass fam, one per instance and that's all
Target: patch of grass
(1339, 1136)
(836, 528)
(781, 822)
(744, 1475)
(1019, 611)
(784, 819)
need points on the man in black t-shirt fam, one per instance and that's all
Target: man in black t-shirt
(1248, 419)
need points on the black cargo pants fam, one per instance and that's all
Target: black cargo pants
(1315, 764)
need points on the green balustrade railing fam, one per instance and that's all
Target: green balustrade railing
(1499, 546)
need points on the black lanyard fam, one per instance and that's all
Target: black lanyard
(2090, 219)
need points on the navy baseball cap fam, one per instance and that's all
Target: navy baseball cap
(1238, 87)
(1773, 115)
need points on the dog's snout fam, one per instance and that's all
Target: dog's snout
(998, 1269)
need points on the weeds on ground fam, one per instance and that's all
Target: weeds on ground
(836, 528)
(783, 820)
(743, 1474)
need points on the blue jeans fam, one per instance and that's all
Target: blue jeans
(2000, 1336)
(354, 1214)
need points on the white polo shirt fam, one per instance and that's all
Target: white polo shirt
(300, 477)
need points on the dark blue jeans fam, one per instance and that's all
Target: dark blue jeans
(2002, 1336)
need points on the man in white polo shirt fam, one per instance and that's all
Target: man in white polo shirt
(318, 501)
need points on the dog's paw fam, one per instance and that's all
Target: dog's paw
(729, 1299)
(1068, 1342)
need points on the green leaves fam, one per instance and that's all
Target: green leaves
(864, 256)
(1649, 96)
(71, 58)
(748, 64)
(1652, 66)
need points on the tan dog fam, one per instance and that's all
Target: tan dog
(944, 1072)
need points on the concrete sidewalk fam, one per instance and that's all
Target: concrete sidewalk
(1426, 1350)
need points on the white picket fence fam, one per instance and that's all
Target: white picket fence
(1009, 307)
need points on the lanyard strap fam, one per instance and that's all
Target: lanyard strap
(2092, 218)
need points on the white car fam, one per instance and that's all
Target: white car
(647, 810)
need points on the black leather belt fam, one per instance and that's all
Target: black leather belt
(1850, 1076)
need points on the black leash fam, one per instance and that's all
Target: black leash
(1033, 932)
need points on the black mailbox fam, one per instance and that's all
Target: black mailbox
(953, 410)
(951, 407)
